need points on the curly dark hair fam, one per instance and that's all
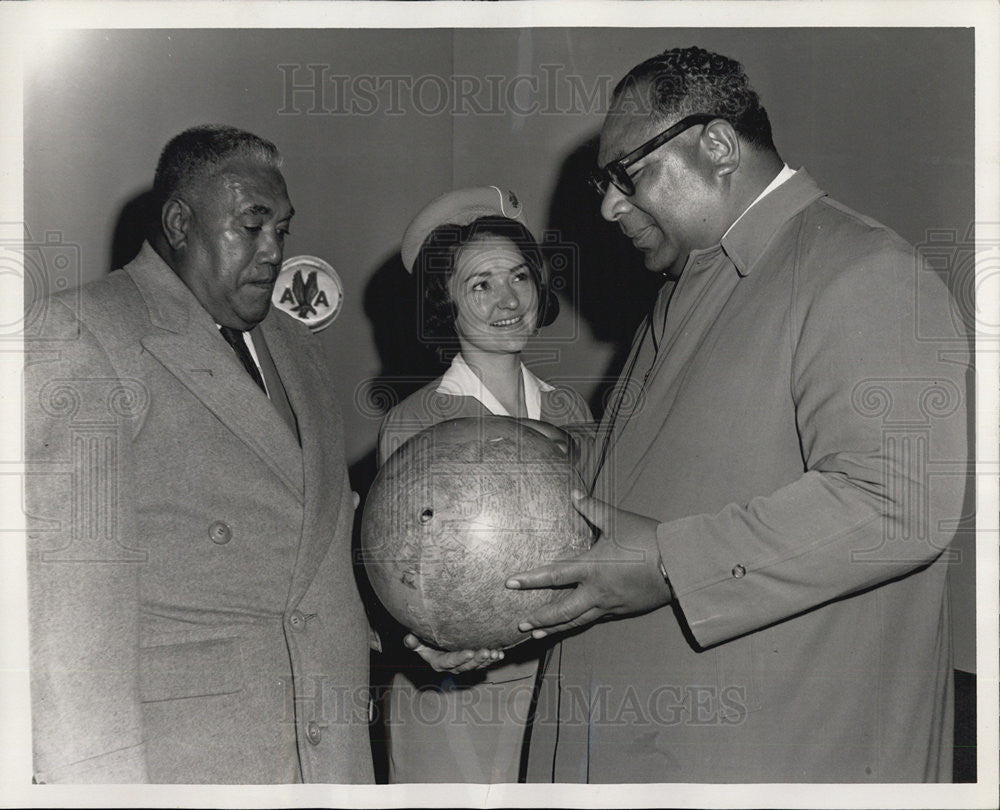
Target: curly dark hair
(686, 81)
(436, 260)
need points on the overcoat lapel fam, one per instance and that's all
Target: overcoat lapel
(185, 341)
(308, 386)
(698, 302)
(706, 294)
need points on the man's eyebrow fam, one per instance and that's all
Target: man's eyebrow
(257, 209)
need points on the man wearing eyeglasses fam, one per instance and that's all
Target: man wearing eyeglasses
(770, 548)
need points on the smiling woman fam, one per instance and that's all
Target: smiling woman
(482, 285)
(495, 297)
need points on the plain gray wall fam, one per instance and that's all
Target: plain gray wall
(882, 118)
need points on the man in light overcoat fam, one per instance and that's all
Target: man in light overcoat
(775, 493)
(193, 609)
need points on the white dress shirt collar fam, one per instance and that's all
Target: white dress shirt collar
(779, 178)
(248, 340)
(461, 381)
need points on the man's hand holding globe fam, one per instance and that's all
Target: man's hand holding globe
(620, 575)
(462, 506)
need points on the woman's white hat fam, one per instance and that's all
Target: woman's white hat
(459, 207)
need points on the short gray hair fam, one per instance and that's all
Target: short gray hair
(196, 152)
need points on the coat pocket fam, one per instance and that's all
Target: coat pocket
(192, 669)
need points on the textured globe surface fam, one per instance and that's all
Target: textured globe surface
(455, 511)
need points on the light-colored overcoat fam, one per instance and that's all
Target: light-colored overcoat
(801, 438)
(194, 615)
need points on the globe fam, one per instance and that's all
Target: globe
(453, 513)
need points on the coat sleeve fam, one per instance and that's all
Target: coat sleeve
(82, 572)
(395, 429)
(881, 420)
(415, 413)
(575, 418)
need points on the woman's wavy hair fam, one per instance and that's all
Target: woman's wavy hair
(436, 260)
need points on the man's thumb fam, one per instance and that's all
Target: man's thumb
(591, 508)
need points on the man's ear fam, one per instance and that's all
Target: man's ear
(721, 145)
(175, 219)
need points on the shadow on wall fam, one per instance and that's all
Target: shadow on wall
(134, 223)
(609, 285)
(392, 307)
(407, 363)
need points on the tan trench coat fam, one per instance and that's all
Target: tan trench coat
(802, 440)
(194, 614)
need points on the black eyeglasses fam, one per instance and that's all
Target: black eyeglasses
(615, 172)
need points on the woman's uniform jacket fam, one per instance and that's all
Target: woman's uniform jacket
(467, 728)
(194, 615)
(801, 439)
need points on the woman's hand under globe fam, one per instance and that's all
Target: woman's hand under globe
(455, 662)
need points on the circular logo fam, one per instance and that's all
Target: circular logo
(309, 290)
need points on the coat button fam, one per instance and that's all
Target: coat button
(313, 732)
(220, 533)
(739, 571)
(297, 620)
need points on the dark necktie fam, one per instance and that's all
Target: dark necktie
(234, 338)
